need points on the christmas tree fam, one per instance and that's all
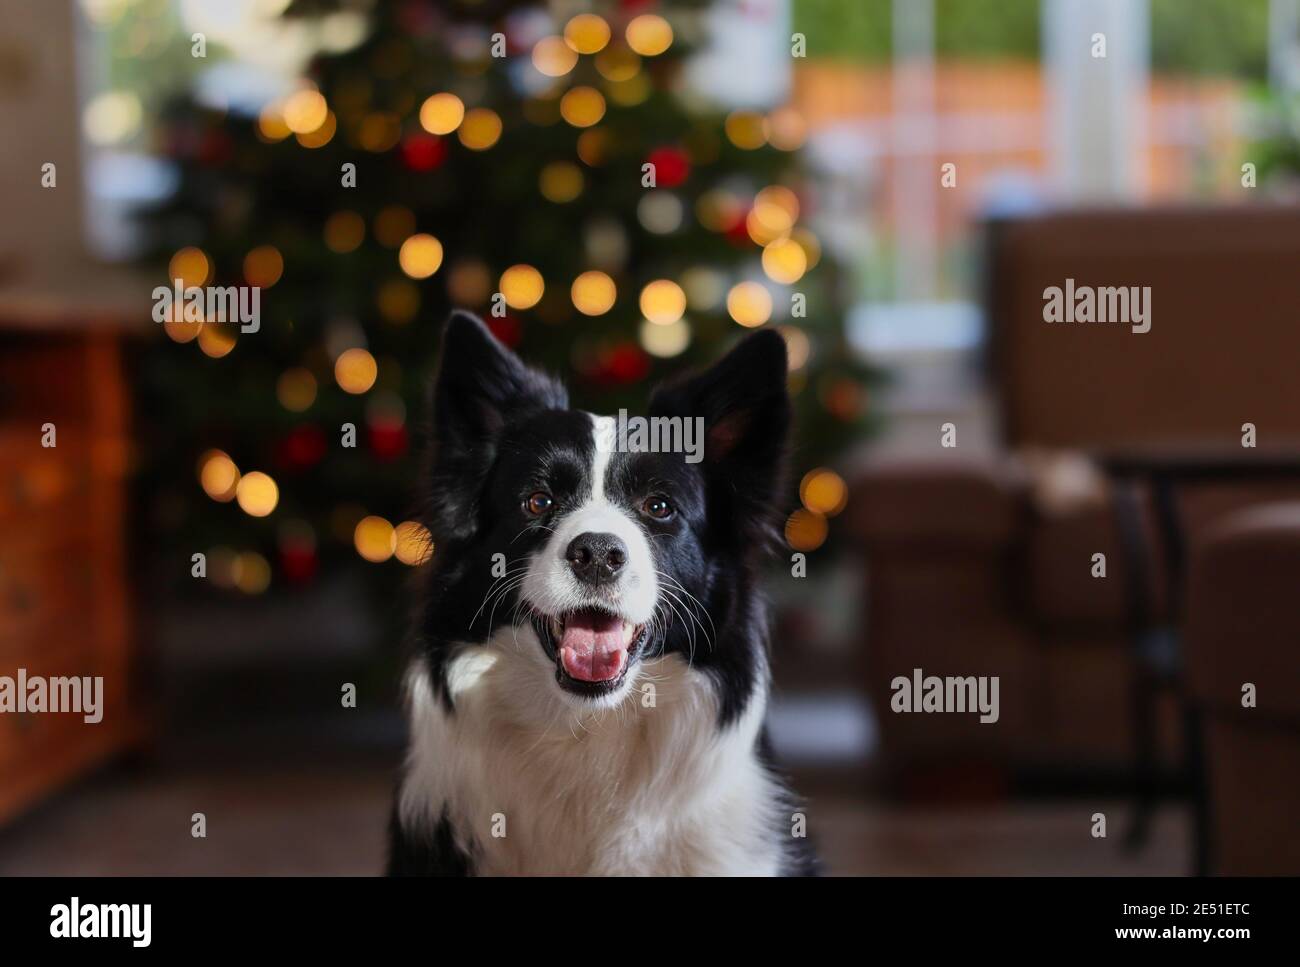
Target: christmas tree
(548, 171)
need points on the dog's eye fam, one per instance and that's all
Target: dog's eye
(539, 503)
(658, 508)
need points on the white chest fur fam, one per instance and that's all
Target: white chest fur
(650, 787)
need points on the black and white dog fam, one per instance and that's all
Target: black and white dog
(591, 674)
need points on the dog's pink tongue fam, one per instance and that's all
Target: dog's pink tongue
(594, 646)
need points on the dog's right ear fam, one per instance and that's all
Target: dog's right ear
(480, 386)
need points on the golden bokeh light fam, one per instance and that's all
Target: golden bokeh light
(398, 300)
(322, 135)
(421, 256)
(218, 339)
(296, 389)
(582, 106)
(784, 261)
(823, 492)
(593, 146)
(665, 341)
(663, 302)
(441, 113)
(180, 330)
(344, 232)
(745, 129)
(617, 64)
(251, 572)
(374, 539)
(379, 131)
(631, 92)
(469, 282)
(649, 34)
(522, 286)
(786, 129)
(413, 544)
(593, 293)
(355, 371)
(586, 33)
(553, 57)
(218, 475)
(812, 249)
(305, 111)
(257, 494)
(560, 181)
(749, 303)
(481, 128)
(191, 266)
(263, 266)
(270, 124)
(805, 531)
(798, 348)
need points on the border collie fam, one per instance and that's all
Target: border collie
(591, 673)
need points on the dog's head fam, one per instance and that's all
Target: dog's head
(582, 528)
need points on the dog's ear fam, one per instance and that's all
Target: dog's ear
(746, 412)
(479, 388)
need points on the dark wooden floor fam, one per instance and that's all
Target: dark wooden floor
(328, 819)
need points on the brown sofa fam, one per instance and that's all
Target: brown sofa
(972, 570)
(1243, 628)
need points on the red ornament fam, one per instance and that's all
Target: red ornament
(671, 166)
(626, 363)
(508, 329)
(388, 441)
(304, 447)
(423, 152)
(298, 562)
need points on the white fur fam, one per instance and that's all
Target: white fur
(630, 790)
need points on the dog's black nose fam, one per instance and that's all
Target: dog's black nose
(596, 558)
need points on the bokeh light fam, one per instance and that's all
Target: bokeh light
(667, 340)
(805, 531)
(745, 129)
(586, 33)
(749, 303)
(553, 57)
(257, 494)
(481, 128)
(663, 301)
(305, 111)
(582, 106)
(263, 266)
(784, 261)
(413, 544)
(617, 64)
(421, 256)
(218, 339)
(355, 371)
(649, 34)
(593, 293)
(441, 113)
(322, 135)
(560, 181)
(191, 266)
(344, 232)
(251, 572)
(522, 286)
(798, 347)
(296, 389)
(374, 539)
(823, 492)
(218, 475)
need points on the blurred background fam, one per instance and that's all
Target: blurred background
(1107, 521)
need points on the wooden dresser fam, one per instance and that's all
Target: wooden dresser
(64, 595)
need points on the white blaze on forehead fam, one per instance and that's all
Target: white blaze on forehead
(604, 433)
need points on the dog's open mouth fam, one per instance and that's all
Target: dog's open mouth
(593, 649)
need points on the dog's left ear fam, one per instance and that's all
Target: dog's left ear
(746, 412)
